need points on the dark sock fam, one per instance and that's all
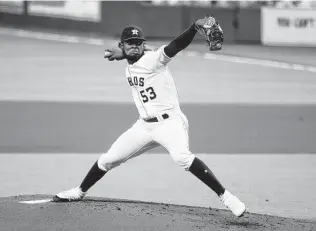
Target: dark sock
(92, 177)
(201, 171)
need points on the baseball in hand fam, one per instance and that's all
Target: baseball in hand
(107, 54)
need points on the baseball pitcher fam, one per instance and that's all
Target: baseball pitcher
(161, 121)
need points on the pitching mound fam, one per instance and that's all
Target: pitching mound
(109, 214)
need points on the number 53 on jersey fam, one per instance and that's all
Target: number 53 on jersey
(146, 94)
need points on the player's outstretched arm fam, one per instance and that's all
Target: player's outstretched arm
(180, 42)
(207, 27)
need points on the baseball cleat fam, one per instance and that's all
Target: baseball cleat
(74, 194)
(231, 202)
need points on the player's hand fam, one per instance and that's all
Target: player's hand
(113, 54)
(211, 31)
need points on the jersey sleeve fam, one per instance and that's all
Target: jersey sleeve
(163, 59)
(156, 59)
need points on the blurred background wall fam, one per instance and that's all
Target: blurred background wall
(243, 21)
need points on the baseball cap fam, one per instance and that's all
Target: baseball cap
(132, 32)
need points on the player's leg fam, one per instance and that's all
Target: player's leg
(201, 171)
(77, 193)
(173, 135)
(131, 143)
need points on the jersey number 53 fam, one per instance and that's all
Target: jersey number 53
(148, 93)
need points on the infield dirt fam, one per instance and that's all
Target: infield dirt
(111, 214)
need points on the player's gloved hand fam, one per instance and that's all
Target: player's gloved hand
(211, 31)
(113, 54)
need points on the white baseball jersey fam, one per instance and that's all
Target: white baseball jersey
(155, 94)
(152, 85)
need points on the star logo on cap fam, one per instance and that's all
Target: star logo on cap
(134, 31)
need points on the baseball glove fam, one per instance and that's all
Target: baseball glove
(211, 31)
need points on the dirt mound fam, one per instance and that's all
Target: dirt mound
(112, 214)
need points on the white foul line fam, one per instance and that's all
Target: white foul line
(100, 42)
(260, 62)
(36, 201)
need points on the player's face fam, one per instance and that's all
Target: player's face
(133, 49)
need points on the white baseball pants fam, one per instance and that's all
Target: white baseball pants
(171, 133)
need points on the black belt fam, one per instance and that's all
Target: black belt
(155, 119)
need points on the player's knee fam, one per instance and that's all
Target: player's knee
(183, 159)
(107, 162)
